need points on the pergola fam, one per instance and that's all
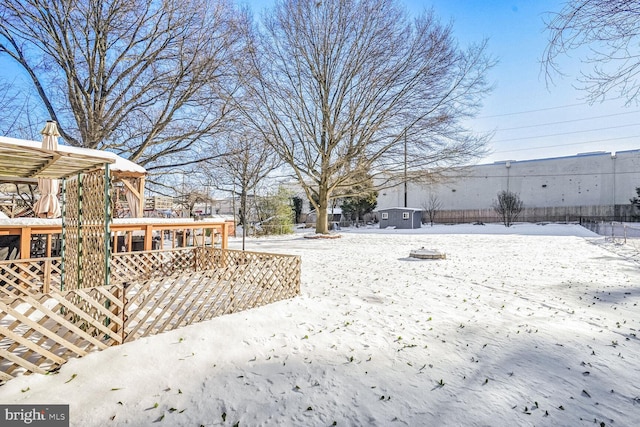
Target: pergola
(86, 215)
(24, 161)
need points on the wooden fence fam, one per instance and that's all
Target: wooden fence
(42, 326)
(543, 214)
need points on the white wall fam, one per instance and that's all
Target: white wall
(582, 180)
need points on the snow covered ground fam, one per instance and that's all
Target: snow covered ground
(531, 325)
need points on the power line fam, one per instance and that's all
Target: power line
(565, 133)
(567, 121)
(568, 144)
(559, 107)
(530, 111)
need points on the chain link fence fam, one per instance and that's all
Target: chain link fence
(627, 233)
(619, 230)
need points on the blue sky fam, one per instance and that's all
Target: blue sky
(530, 120)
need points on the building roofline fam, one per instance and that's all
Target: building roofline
(575, 156)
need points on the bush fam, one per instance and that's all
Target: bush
(508, 207)
(278, 214)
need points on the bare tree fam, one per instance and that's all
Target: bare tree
(249, 161)
(17, 111)
(347, 90)
(8, 124)
(189, 198)
(432, 207)
(149, 80)
(609, 32)
(508, 206)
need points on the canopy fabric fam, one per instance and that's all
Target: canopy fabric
(133, 202)
(48, 205)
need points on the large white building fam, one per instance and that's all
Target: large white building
(595, 185)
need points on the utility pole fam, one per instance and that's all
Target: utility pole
(405, 168)
(613, 201)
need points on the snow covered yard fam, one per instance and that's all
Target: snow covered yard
(533, 325)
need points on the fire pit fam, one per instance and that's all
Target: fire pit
(423, 253)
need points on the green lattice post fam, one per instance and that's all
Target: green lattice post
(107, 225)
(79, 225)
(63, 234)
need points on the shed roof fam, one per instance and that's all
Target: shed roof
(398, 209)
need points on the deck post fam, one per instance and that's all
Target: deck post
(107, 224)
(46, 278)
(63, 235)
(225, 235)
(148, 237)
(25, 243)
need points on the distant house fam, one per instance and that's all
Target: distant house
(404, 218)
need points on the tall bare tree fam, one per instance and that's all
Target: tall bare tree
(605, 34)
(341, 85)
(149, 80)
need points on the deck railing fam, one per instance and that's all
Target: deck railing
(127, 236)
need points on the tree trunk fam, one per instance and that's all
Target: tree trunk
(243, 215)
(322, 225)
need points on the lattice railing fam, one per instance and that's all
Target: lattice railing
(41, 331)
(20, 277)
(150, 292)
(128, 267)
(220, 282)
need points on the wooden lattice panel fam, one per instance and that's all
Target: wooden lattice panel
(93, 229)
(19, 277)
(130, 267)
(71, 232)
(41, 331)
(248, 280)
(85, 219)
